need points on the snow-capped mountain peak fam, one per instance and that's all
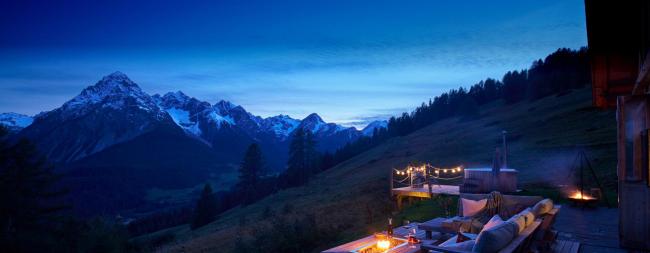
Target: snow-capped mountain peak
(15, 121)
(370, 128)
(112, 91)
(223, 107)
(177, 96)
(313, 123)
(281, 125)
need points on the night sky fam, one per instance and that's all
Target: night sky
(349, 61)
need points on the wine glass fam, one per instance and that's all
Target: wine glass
(412, 238)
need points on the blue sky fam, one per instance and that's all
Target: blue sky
(349, 61)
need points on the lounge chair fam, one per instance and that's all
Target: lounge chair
(539, 231)
(518, 244)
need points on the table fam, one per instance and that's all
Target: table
(444, 225)
(399, 232)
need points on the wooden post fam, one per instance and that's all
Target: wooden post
(399, 202)
(390, 182)
(429, 181)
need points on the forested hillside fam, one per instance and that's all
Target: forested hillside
(546, 110)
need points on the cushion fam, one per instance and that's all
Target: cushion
(461, 237)
(543, 207)
(493, 222)
(528, 215)
(496, 238)
(519, 220)
(472, 207)
(458, 246)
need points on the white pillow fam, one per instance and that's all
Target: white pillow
(472, 207)
(494, 239)
(493, 222)
(519, 220)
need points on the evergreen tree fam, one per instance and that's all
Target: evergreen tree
(468, 108)
(296, 164)
(303, 158)
(29, 209)
(514, 86)
(206, 208)
(311, 155)
(250, 172)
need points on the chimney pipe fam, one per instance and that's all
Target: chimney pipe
(505, 150)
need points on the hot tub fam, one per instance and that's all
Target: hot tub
(482, 180)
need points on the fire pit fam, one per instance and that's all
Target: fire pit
(582, 198)
(382, 244)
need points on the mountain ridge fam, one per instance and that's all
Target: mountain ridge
(199, 119)
(112, 136)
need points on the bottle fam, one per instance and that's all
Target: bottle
(390, 227)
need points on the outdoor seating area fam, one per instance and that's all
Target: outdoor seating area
(484, 223)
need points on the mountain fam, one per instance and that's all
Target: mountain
(370, 128)
(113, 110)
(329, 136)
(226, 128)
(194, 116)
(116, 110)
(282, 125)
(15, 121)
(115, 141)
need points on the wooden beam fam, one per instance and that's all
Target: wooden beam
(643, 79)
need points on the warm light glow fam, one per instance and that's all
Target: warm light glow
(579, 195)
(383, 244)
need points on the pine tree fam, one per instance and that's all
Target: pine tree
(28, 197)
(303, 158)
(250, 172)
(206, 208)
(311, 155)
(296, 164)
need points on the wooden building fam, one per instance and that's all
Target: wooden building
(619, 44)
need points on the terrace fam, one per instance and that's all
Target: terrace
(619, 43)
(583, 225)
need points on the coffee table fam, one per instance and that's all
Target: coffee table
(399, 232)
(443, 225)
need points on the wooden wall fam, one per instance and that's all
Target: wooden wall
(633, 119)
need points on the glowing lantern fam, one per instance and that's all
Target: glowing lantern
(383, 244)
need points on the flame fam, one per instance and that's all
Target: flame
(383, 244)
(579, 195)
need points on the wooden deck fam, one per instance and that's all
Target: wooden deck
(562, 246)
(595, 229)
(423, 192)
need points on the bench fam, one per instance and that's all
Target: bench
(538, 232)
(518, 244)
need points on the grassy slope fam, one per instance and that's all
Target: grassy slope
(353, 197)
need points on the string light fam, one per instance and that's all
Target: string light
(427, 171)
